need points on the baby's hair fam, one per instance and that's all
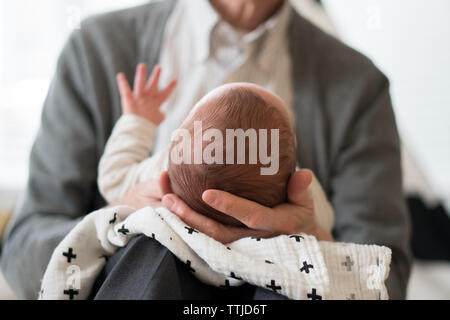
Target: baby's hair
(238, 108)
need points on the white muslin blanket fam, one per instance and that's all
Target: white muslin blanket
(297, 266)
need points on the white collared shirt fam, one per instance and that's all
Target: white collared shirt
(203, 51)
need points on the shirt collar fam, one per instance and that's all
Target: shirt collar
(204, 19)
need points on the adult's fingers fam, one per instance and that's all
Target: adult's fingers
(195, 220)
(282, 219)
(208, 226)
(252, 214)
(140, 79)
(298, 188)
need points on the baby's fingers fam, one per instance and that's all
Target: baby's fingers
(152, 83)
(124, 87)
(140, 79)
(167, 91)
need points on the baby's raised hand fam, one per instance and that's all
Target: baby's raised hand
(145, 100)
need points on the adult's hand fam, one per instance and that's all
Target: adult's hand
(295, 216)
(148, 193)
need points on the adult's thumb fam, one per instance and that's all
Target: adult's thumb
(298, 188)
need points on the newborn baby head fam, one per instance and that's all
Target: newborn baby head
(239, 138)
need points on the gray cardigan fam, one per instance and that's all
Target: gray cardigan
(345, 127)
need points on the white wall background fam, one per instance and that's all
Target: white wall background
(410, 41)
(407, 39)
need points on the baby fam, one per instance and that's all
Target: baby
(209, 150)
(205, 153)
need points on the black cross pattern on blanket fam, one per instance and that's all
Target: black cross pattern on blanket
(71, 293)
(227, 284)
(273, 286)
(191, 230)
(313, 295)
(306, 267)
(69, 255)
(296, 237)
(188, 264)
(123, 230)
(114, 219)
(348, 263)
(232, 275)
